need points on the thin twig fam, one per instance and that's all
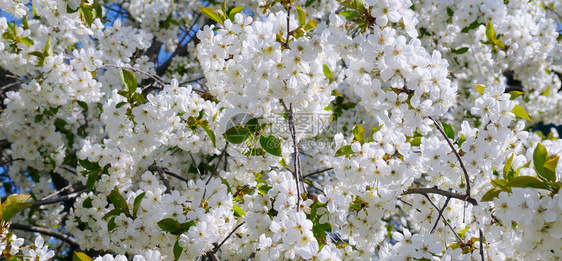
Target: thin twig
(481, 245)
(61, 190)
(163, 176)
(223, 153)
(192, 159)
(288, 31)
(64, 237)
(227, 237)
(446, 222)
(440, 215)
(467, 179)
(296, 156)
(59, 199)
(154, 77)
(425, 191)
(316, 172)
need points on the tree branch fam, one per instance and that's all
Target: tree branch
(425, 191)
(296, 157)
(440, 214)
(59, 199)
(316, 172)
(163, 176)
(467, 179)
(216, 249)
(446, 222)
(223, 154)
(64, 237)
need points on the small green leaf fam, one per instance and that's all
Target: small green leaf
(237, 134)
(302, 16)
(328, 73)
(550, 168)
(480, 88)
(113, 212)
(358, 5)
(490, 32)
(48, 49)
(87, 203)
(119, 201)
(177, 250)
(111, 224)
(508, 171)
(520, 112)
(460, 50)
(416, 141)
(515, 94)
(13, 205)
(79, 256)
(82, 104)
(540, 156)
(238, 211)
(271, 144)
(311, 24)
(170, 225)
(87, 14)
(345, 150)
(450, 12)
(350, 14)
(491, 194)
(526, 165)
(359, 133)
(27, 41)
(526, 182)
(92, 177)
(211, 133)
(129, 80)
(138, 97)
(235, 11)
(214, 15)
(448, 130)
(137, 202)
(120, 104)
(89, 165)
(38, 118)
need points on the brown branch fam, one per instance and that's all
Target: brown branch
(216, 249)
(223, 154)
(440, 215)
(64, 237)
(456, 154)
(316, 172)
(425, 191)
(163, 176)
(62, 190)
(481, 245)
(59, 199)
(167, 172)
(446, 222)
(296, 157)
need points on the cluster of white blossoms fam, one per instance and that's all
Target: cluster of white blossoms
(318, 130)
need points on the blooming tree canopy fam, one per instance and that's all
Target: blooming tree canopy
(281, 130)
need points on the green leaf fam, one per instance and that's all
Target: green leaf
(120, 104)
(526, 182)
(177, 250)
(138, 97)
(87, 203)
(89, 165)
(302, 16)
(213, 14)
(345, 150)
(119, 201)
(416, 141)
(540, 156)
(70, 10)
(311, 24)
(170, 225)
(526, 165)
(480, 88)
(448, 130)
(235, 11)
(271, 144)
(460, 50)
(500, 44)
(82, 104)
(137, 202)
(508, 171)
(48, 49)
(113, 212)
(79, 256)
(129, 80)
(92, 177)
(358, 5)
(238, 211)
(87, 14)
(111, 224)
(491, 194)
(359, 133)
(515, 94)
(550, 168)
(450, 12)
(38, 118)
(27, 41)
(327, 73)
(210, 133)
(520, 112)
(13, 205)
(490, 32)
(350, 14)
(237, 134)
